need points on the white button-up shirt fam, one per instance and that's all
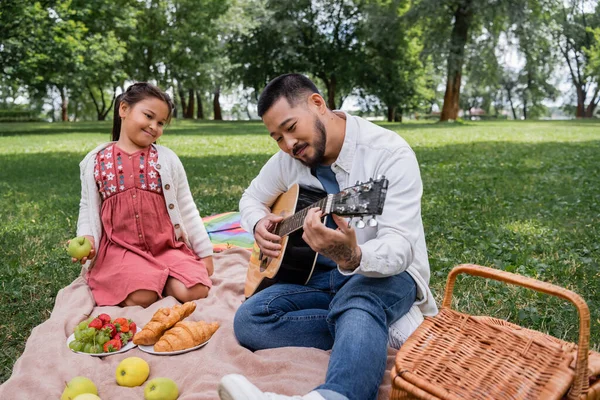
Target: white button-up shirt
(397, 243)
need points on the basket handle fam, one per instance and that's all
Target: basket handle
(581, 382)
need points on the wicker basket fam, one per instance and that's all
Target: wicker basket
(459, 356)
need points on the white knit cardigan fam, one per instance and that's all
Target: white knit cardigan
(182, 210)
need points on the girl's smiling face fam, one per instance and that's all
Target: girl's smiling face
(142, 124)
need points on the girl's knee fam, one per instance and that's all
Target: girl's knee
(142, 298)
(196, 292)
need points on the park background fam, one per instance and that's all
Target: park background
(476, 88)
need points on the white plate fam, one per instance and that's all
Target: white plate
(150, 350)
(130, 345)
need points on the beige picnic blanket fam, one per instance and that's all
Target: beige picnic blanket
(47, 363)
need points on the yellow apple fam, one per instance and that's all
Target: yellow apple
(78, 385)
(79, 247)
(161, 389)
(132, 371)
(87, 396)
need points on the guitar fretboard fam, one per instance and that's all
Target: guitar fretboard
(295, 222)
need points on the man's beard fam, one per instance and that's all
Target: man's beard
(318, 145)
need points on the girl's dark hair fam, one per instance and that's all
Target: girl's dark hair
(134, 94)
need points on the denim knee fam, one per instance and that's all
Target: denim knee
(244, 325)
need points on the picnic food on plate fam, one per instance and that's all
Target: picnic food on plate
(102, 334)
(161, 389)
(162, 320)
(77, 386)
(132, 371)
(186, 334)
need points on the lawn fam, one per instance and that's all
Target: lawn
(519, 196)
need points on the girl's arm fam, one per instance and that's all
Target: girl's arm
(208, 262)
(84, 227)
(196, 231)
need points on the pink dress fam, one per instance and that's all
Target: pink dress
(138, 248)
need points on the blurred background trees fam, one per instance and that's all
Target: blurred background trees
(440, 59)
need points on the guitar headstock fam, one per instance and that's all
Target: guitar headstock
(365, 198)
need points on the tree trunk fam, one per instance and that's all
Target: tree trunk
(64, 104)
(580, 102)
(200, 110)
(589, 111)
(331, 87)
(189, 113)
(391, 113)
(512, 106)
(398, 115)
(525, 104)
(458, 39)
(182, 99)
(216, 105)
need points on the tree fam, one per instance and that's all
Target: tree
(316, 37)
(574, 34)
(465, 23)
(391, 68)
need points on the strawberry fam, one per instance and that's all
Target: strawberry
(110, 329)
(112, 345)
(96, 324)
(121, 324)
(124, 337)
(132, 326)
(105, 318)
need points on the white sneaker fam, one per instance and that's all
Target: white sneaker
(404, 327)
(237, 387)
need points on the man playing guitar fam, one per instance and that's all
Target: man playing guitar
(364, 279)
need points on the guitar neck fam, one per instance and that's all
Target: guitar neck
(295, 222)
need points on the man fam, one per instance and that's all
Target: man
(365, 278)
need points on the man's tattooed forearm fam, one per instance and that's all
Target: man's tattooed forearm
(345, 256)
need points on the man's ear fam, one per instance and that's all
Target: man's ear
(317, 101)
(123, 109)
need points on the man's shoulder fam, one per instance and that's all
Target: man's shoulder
(377, 137)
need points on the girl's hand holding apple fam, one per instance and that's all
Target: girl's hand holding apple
(81, 248)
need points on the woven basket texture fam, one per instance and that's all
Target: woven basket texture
(459, 356)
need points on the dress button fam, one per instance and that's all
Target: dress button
(157, 166)
(130, 157)
(131, 175)
(140, 235)
(134, 196)
(167, 186)
(137, 215)
(176, 226)
(171, 206)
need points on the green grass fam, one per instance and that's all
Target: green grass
(519, 196)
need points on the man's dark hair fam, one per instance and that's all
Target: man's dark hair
(293, 87)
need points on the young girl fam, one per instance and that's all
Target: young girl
(136, 205)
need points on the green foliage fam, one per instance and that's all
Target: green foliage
(392, 69)
(519, 196)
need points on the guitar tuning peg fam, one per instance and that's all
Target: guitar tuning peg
(360, 224)
(372, 222)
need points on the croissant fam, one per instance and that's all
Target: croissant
(162, 320)
(186, 334)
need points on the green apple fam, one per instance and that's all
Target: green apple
(87, 396)
(79, 247)
(161, 389)
(78, 385)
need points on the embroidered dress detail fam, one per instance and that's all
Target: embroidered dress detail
(138, 248)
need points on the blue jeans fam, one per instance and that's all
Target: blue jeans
(348, 314)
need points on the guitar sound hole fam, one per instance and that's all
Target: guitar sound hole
(264, 262)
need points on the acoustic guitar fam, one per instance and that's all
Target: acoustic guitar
(296, 261)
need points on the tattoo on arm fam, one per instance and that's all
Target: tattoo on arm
(345, 256)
